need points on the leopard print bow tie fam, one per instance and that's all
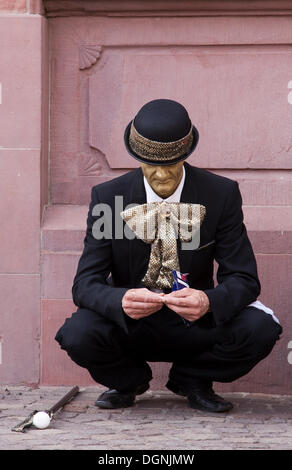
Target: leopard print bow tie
(161, 223)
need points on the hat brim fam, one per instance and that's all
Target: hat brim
(167, 162)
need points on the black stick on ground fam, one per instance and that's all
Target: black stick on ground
(63, 401)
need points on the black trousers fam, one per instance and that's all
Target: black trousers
(202, 350)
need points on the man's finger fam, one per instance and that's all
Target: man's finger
(141, 305)
(144, 297)
(180, 301)
(178, 293)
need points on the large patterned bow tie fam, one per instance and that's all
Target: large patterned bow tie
(161, 223)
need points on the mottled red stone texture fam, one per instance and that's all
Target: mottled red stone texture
(36, 6)
(13, 5)
(22, 6)
(73, 75)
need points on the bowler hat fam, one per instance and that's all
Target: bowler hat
(161, 133)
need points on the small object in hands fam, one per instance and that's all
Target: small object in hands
(41, 419)
(180, 282)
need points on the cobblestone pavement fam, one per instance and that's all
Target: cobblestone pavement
(159, 420)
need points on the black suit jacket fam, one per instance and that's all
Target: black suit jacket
(109, 267)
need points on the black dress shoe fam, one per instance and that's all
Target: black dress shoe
(201, 397)
(114, 399)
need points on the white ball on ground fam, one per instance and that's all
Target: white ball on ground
(41, 420)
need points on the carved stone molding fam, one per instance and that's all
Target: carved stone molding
(88, 55)
(127, 81)
(88, 165)
(165, 7)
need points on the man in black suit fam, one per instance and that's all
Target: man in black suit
(128, 313)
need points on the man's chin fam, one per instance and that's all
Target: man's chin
(164, 194)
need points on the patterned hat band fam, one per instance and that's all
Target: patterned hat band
(159, 151)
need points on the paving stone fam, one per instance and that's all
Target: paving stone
(158, 421)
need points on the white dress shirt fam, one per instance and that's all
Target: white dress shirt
(151, 196)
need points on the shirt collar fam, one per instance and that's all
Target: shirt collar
(151, 195)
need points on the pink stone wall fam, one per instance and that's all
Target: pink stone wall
(22, 6)
(233, 76)
(23, 157)
(13, 6)
(92, 65)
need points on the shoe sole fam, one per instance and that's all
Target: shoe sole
(196, 406)
(175, 389)
(111, 406)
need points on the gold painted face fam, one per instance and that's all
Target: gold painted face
(163, 179)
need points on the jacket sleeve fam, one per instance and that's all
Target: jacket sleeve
(90, 287)
(237, 277)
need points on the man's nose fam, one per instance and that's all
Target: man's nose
(161, 172)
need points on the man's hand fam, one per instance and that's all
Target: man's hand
(190, 304)
(141, 302)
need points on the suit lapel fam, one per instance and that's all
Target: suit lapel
(189, 195)
(139, 251)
